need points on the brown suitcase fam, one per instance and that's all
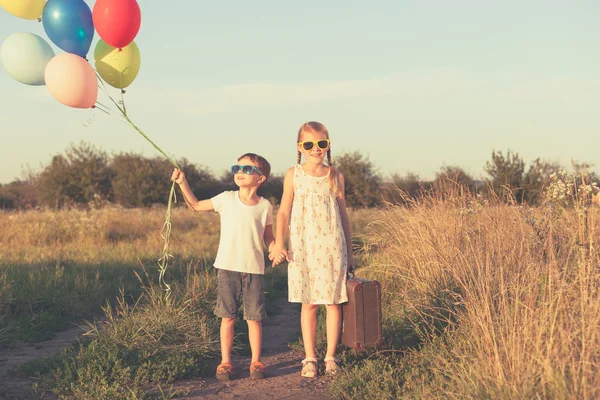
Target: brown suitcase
(361, 315)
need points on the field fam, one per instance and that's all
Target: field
(481, 299)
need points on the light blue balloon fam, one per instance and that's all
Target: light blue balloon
(24, 56)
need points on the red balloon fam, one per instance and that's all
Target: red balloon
(117, 21)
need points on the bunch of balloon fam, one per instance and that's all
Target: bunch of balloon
(70, 25)
(30, 60)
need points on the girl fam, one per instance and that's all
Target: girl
(320, 250)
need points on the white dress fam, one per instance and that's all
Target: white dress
(319, 258)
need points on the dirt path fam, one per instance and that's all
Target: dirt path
(20, 388)
(283, 365)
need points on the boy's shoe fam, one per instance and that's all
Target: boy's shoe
(332, 366)
(309, 368)
(258, 370)
(224, 372)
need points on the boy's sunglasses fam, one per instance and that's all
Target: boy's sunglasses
(323, 144)
(246, 169)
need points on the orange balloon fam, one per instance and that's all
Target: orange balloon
(72, 81)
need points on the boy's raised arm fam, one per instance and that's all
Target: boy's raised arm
(192, 202)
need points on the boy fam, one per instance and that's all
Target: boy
(246, 222)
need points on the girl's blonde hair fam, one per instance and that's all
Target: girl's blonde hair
(317, 127)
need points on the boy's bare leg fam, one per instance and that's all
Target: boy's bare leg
(333, 323)
(308, 321)
(255, 337)
(227, 325)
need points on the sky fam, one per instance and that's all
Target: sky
(412, 85)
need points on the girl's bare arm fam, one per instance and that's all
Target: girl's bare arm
(285, 208)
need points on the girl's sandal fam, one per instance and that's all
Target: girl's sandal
(309, 368)
(332, 366)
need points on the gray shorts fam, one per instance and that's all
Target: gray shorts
(233, 285)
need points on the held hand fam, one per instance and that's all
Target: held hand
(277, 259)
(277, 254)
(178, 176)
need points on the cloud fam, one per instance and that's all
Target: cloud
(558, 88)
(442, 90)
(427, 83)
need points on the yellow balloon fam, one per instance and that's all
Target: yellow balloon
(118, 68)
(27, 9)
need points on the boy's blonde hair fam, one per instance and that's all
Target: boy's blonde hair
(263, 164)
(317, 127)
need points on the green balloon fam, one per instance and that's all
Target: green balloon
(24, 56)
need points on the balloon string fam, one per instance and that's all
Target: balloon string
(165, 233)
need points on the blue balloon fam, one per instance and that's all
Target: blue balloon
(69, 25)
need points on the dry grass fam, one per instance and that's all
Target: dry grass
(122, 236)
(103, 236)
(509, 295)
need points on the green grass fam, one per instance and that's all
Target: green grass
(153, 341)
(150, 342)
(39, 300)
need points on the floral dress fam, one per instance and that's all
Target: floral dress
(319, 259)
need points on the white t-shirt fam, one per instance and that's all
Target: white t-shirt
(242, 233)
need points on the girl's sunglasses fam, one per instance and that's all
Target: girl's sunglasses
(246, 169)
(323, 144)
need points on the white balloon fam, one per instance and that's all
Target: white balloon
(24, 56)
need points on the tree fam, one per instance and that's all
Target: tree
(8, 200)
(272, 189)
(537, 178)
(455, 176)
(400, 189)
(363, 184)
(201, 180)
(76, 176)
(140, 181)
(19, 195)
(584, 169)
(506, 173)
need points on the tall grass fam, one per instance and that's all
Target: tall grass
(504, 300)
